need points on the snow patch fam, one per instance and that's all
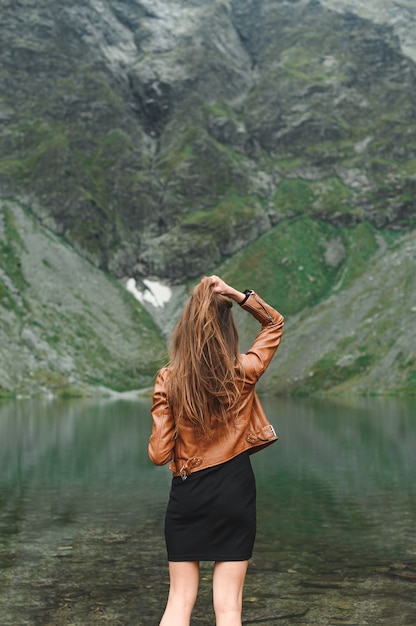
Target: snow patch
(154, 292)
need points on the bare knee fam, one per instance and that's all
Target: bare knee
(228, 610)
(228, 601)
(182, 597)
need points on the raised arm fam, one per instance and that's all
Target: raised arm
(262, 350)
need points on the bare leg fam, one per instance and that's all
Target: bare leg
(228, 585)
(184, 580)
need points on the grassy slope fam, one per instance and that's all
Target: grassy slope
(350, 328)
(65, 325)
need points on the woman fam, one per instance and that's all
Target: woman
(207, 420)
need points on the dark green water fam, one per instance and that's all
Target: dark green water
(81, 516)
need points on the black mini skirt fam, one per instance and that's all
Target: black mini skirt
(211, 516)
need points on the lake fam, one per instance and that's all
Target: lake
(81, 516)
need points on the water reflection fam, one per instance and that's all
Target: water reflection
(345, 471)
(62, 441)
(81, 515)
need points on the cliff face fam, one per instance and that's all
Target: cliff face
(130, 128)
(399, 15)
(271, 141)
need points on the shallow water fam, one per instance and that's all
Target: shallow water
(81, 516)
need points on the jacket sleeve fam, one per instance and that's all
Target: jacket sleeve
(262, 350)
(162, 442)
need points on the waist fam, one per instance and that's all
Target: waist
(195, 458)
(213, 471)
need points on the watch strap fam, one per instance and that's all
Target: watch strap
(247, 293)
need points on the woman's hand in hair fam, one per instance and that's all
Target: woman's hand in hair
(221, 287)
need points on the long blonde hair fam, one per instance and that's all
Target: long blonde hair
(204, 353)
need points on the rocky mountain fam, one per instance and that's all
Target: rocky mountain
(130, 126)
(162, 139)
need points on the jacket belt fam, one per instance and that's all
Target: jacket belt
(264, 434)
(194, 461)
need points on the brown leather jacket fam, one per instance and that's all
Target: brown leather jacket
(251, 430)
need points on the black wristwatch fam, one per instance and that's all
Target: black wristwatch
(247, 293)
